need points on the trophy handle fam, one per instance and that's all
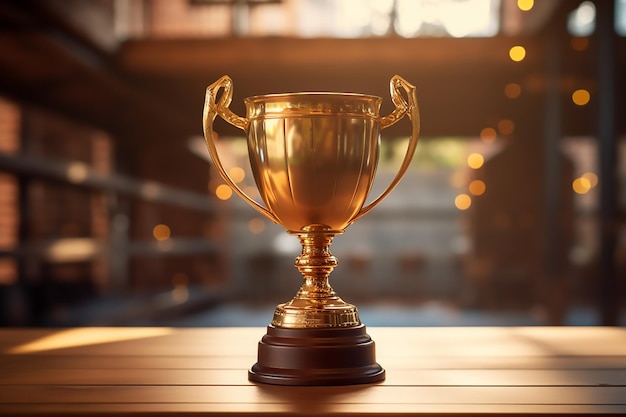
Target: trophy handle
(212, 108)
(410, 109)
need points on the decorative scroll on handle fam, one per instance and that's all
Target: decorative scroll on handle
(213, 107)
(410, 109)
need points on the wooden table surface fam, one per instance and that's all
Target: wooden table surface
(203, 371)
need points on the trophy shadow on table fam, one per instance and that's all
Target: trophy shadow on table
(312, 400)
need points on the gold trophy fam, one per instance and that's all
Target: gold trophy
(314, 157)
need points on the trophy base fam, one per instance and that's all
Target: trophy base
(322, 356)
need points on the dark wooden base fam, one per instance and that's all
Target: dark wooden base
(328, 356)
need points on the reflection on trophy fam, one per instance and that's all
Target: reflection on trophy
(314, 159)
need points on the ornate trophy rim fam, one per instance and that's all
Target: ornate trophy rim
(313, 104)
(299, 94)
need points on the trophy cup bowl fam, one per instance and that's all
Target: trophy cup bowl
(314, 157)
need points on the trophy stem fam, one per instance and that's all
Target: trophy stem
(316, 304)
(316, 338)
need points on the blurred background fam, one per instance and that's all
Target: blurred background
(512, 212)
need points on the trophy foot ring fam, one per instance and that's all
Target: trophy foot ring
(327, 356)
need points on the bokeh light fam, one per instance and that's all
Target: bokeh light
(581, 97)
(488, 134)
(591, 177)
(512, 90)
(506, 126)
(581, 185)
(463, 201)
(525, 5)
(475, 160)
(77, 172)
(223, 192)
(161, 232)
(237, 174)
(477, 187)
(517, 53)
(582, 20)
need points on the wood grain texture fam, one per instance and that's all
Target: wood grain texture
(451, 371)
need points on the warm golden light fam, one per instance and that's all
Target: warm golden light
(237, 174)
(72, 249)
(581, 185)
(477, 187)
(463, 201)
(512, 90)
(581, 97)
(161, 232)
(525, 5)
(506, 126)
(475, 160)
(591, 177)
(88, 336)
(517, 53)
(223, 192)
(488, 135)
(256, 225)
(77, 172)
